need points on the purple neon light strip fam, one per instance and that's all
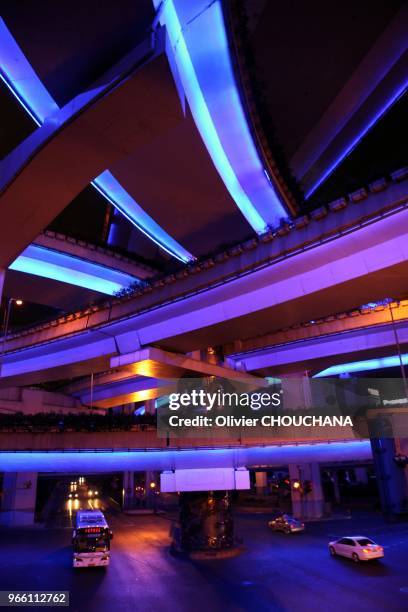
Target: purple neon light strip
(199, 41)
(356, 141)
(209, 458)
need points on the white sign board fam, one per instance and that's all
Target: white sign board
(217, 479)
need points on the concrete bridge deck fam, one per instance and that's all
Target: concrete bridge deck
(339, 339)
(143, 437)
(344, 256)
(87, 461)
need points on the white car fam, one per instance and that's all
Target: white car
(358, 548)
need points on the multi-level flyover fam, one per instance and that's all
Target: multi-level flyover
(234, 213)
(336, 261)
(367, 334)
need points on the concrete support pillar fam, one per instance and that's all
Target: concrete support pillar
(19, 496)
(261, 482)
(307, 504)
(391, 479)
(296, 391)
(331, 489)
(361, 475)
(2, 311)
(150, 479)
(206, 522)
(336, 488)
(120, 231)
(128, 489)
(152, 489)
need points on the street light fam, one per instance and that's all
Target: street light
(296, 485)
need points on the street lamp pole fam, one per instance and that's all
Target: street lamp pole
(394, 328)
(6, 322)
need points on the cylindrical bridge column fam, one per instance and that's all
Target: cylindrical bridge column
(128, 490)
(306, 488)
(206, 521)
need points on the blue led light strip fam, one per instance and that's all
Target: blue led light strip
(27, 88)
(112, 190)
(114, 460)
(363, 366)
(200, 45)
(22, 81)
(20, 100)
(354, 143)
(73, 270)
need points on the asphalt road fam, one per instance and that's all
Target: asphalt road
(275, 572)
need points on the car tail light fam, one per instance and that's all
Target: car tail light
(105, 558)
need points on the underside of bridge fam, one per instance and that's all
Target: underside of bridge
(213, 191)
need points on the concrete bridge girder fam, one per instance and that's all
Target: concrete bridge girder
(81, 140)
(340, 273)
(120, 460)
(317, 353)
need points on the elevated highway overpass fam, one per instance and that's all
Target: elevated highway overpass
(348, 337)
(342, 258)
(94, 461)
(79, 141)
(66, 272)
(374, 86)
(180, 109)
(147, 437)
